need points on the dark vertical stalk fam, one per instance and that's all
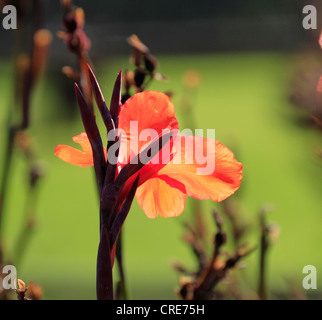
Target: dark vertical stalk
(29, 220)
(4, 182)
(123, 290)
(262, 288)
(26, 76)
(104, 276)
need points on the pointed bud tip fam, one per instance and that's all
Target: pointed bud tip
(21, 285)
(91, 73)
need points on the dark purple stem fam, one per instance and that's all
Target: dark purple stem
(104, 277)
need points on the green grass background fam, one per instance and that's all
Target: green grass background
(244, 97)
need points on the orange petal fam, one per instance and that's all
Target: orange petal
(152, 110)
(162, 158)
(219, 184)
(157, 197)
(75, 156)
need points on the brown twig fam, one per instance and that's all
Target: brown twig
(200, 285)
(28, 70)
(79, 44)
(267, 231)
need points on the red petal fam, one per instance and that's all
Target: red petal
(152, 110)
(219, 184)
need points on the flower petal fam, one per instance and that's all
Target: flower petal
(75, 156)
(151, 112)
(157, 197)
(151, 168)
(222, 180)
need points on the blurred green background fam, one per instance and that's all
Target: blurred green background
(244, 95)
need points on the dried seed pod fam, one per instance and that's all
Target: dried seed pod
(80, 17)
(128, 79)
(137, 44)
(139, 77)
(136, 58)
(70, 22)
(36, 172)
(42, 41)
(150, 62)
(71, 73)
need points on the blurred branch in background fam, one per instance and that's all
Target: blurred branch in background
(28, 69)
(36, 172)
(304, 86)
(269, 234)
(213, 272)
(240, 226)
(79, 44)
(201, 284)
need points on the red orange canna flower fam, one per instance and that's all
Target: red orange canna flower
(163, 188)
(145, 157)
